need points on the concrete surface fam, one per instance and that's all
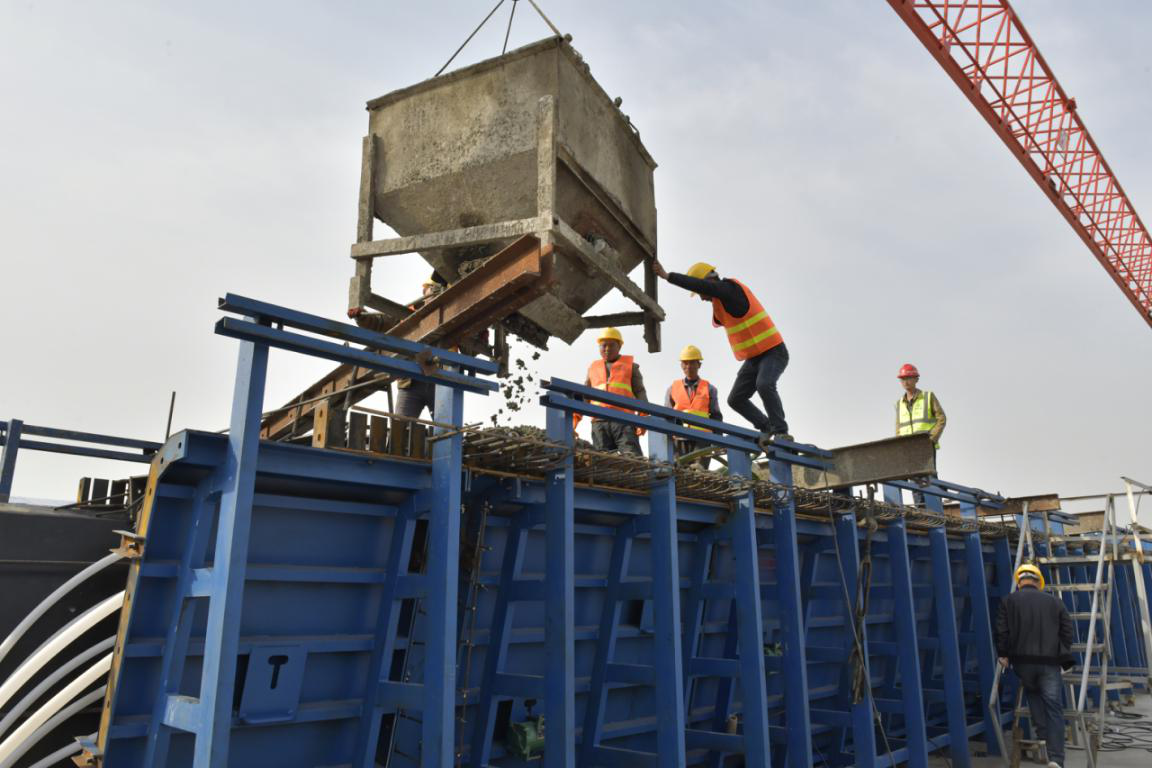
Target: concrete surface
(1133, 757)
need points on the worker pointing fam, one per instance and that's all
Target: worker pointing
(918, 410)
(618, 374)
(694, 395)
(754, 339)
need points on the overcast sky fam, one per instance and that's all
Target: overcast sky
(154, 156)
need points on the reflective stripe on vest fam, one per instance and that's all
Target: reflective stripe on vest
(917, 416)
(619, 381)
(699, 403)
(750, 335)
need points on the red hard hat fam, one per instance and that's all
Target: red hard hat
(907, 370)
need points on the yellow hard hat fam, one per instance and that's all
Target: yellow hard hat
(691, 352)
(1031, 570)
(700, 270)
(610, 333)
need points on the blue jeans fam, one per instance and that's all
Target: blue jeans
(1042, 684)
(759, 375)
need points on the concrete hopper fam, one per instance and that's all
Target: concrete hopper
(527, 143)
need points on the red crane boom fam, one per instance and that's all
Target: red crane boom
(986, 51)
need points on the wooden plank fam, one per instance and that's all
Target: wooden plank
(357, 430)
(615, 319)
(378, 434)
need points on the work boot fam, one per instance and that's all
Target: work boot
(1054, 765)
(782, 436)
(765, 441)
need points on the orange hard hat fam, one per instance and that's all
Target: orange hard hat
(908, 370)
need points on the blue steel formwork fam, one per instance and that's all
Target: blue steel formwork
(300, 606)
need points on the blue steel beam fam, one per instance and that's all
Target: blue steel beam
(82, 450)
(748, 611)
(856, 640)
(86, 437)
(948, 638)
(797, 715)
(908, 643)
(328, 350)
(711, 431)
(262, 310)
(443, 576)
(213, 712)
(8, 458)
(559, 612)
(666, 607)
(978, 605)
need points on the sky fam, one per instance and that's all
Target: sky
(156, 155)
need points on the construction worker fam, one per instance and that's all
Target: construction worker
(754, 339)
(618, 374)
(1034, 635)
(694, 395)
(918, 410)
(412, 397)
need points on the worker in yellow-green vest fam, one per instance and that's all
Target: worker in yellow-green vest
(918, 410)
(694, 395)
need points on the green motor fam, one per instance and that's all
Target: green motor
(525, 739)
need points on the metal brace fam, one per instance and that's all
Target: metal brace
(131, 545)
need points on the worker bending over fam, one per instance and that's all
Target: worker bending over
(918, 410)
(618, 374)
(754, 339)
(412, 397)
(694, 395)
(1034, 635)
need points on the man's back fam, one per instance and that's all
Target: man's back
(1033, 627)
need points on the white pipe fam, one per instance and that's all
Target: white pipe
(47, 683)
(58, 642)
(53, 706)
(79, 578)
(53, 760)
(53, 724)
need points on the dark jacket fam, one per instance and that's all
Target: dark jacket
(1034, 627)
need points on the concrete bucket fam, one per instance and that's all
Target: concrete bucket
(527, 143)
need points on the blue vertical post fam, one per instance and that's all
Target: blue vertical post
(797, 714)
(666, 607)
(559, 611)
(750, 621)
(443, 571)
(978, 602)
(863, 727)
(1003, 556)
(908, 660)
(982, 635)
(949, 640)
(8, 458)
(222, 634)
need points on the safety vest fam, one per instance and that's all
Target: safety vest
(619, 381)
(751, 335)
(698, 403)
(915, 416)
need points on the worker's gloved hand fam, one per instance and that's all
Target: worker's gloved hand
(576, 420)
(355, 311)
(640, 431)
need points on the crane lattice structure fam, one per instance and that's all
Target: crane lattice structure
(984, 48)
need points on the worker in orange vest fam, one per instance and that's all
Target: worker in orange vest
(694, 395)
(618, 374)
(754, 339)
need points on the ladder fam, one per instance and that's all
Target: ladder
(1077, 577)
